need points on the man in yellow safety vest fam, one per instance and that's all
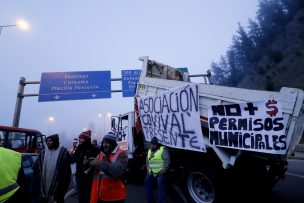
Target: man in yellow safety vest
(157, 161)
(12, 176)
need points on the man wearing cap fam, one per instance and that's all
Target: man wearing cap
(52, 172)
(157, 161)
(84, 172)
(110, 166)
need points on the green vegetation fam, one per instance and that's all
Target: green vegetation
(250, 45)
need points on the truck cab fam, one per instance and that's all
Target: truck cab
(124, 126)
(21, 139)
(29, 143)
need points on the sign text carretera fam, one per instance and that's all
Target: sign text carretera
(59, 86)
(257, 126)
(173, 117)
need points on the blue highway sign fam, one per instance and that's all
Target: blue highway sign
(60, 86)
(129, 80)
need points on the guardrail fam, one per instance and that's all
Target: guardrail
(299, 148)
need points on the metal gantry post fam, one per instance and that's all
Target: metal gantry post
(22, 83)
(21, 95)
(19, 102)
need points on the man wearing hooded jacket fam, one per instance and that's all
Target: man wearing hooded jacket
(52, 172)
(84, 172)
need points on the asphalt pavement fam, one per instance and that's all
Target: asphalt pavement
(136, 191)
(135, 194)
(297, 155)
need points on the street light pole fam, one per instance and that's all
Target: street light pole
(50, 120)
(104, 125)
(104, 116)
(2, 26)
(20, 23)
(108, 115)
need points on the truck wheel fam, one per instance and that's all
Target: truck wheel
(201, 186)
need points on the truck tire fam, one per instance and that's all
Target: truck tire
(201, 186)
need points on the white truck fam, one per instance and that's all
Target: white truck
(208, 176)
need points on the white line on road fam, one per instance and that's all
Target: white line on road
(295, 160)
(294, 174)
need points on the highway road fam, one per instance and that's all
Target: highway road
(291, 189)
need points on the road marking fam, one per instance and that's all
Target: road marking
(294, 174)
(295, 160)
(178, 191)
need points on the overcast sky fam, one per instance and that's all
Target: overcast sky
(74, 35)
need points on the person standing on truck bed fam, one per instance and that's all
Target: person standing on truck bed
(52, 172)
(157, 161)
(110, 166)
(84, 172)
(12, 179)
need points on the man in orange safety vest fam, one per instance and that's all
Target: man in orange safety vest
(110, 166)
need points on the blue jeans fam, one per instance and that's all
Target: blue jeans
(161, 190)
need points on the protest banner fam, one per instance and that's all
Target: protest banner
(123, 138)
(256, 126)
(173, 117)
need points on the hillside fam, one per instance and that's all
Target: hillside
(283, 61)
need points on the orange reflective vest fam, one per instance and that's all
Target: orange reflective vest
(106, 188)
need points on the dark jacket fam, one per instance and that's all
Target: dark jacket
(84, 172)
(83, 150)
(61, 179)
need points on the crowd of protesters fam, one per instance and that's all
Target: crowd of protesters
(98, 171)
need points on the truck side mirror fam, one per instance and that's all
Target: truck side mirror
(113, 124)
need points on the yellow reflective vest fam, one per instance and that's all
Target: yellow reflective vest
(156, 163)
(10, 166)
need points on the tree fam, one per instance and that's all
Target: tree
(257, 37)
(272, 17)
(249, 46)
(220, 71)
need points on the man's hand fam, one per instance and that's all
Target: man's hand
(85, 160)
(162, 172)
(95, 162)
(143, 167)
